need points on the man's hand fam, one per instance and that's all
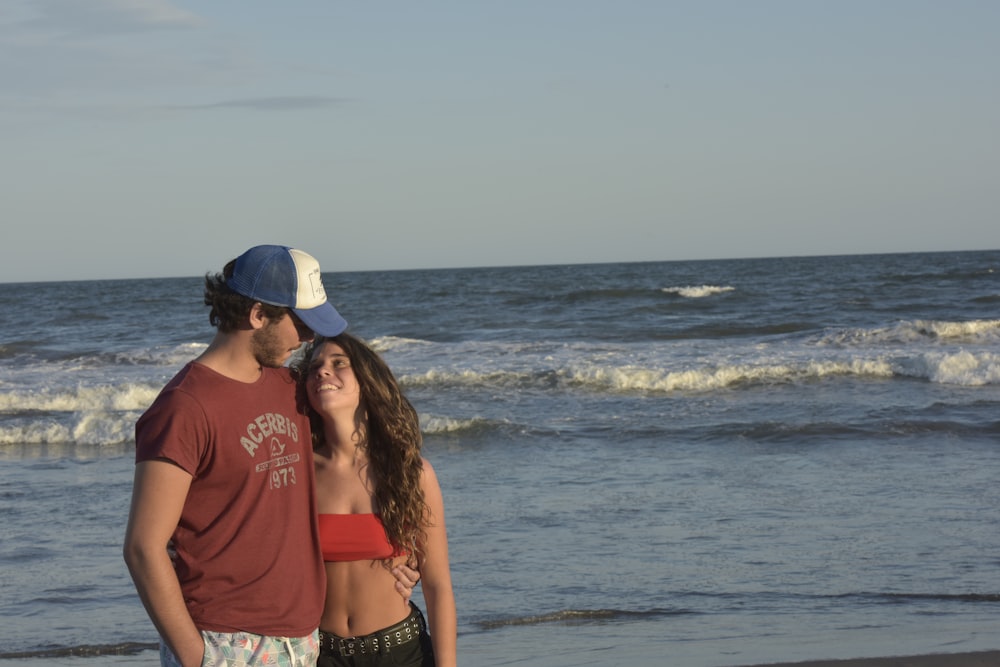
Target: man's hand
(406, 580)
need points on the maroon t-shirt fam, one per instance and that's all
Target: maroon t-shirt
(248, 552)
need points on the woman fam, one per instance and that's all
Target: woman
(380, 505)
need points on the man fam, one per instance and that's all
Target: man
(224, 475)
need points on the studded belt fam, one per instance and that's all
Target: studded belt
(378, 642)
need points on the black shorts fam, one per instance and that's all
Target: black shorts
(406, 643)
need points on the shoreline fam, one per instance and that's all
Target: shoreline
(150, 658)
(972, 659)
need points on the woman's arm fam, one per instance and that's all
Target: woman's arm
(436, 575)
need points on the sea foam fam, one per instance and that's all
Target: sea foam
(697, 291)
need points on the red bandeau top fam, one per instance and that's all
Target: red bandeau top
(346, 537)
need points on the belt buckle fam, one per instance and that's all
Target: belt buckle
(346, 646)
(358, 646)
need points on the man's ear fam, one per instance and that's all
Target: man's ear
(257, 318)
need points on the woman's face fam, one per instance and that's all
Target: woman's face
(331, 385)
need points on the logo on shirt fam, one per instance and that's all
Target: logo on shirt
(278, 457)
(272, 431)
(265, 426)
(280, 465)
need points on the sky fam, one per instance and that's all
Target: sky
(156, 138)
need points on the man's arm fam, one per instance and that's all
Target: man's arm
(158, 494)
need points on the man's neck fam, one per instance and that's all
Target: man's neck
(231, 354)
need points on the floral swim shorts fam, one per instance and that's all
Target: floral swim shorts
(245, 649)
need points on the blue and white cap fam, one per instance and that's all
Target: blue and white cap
(283, 276)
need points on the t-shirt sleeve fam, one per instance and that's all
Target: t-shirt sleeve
(173, 428)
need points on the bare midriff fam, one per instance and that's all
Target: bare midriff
(361, 598)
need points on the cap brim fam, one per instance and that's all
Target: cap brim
(323, 320)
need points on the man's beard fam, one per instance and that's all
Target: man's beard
(265, 347)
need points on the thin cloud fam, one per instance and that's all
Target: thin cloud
(288, 103)
(102, 17)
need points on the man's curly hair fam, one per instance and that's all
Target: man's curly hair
(229, 308)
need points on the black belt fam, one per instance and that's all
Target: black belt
(378, 642)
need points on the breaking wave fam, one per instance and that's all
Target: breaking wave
(127, 397)
(958, 368)
(920, 331)
(580, 617)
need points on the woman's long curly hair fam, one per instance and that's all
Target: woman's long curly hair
(390, 436)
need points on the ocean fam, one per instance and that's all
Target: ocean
(700, 463)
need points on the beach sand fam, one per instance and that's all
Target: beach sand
(151, 659)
